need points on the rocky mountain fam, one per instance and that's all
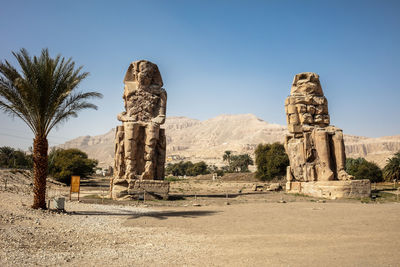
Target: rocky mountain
(377, 150)
(190, 139)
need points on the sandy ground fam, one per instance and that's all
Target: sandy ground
(254, 230)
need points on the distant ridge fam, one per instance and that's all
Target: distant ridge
(207, 140)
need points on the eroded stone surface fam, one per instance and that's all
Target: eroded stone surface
(315, 148)
(140, 144)
(332, 189)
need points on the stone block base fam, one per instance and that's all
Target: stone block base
(142, 189)
(331, 189)
(154, 189)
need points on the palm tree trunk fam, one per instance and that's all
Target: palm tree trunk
(40, 166)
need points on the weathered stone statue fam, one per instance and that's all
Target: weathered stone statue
(140, 143)
(315, 148)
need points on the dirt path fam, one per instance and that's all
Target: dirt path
(290, 234)
(254, 230)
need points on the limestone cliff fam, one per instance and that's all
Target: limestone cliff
(207, 140)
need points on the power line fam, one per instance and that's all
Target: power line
(26, 138)
(70, 141)
(16, 136)
(21, 131)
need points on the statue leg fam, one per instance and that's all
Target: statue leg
(152, 136)
(130, 149)
(121, 160)
(119, 153)
(161, 147)
(340, 156)
(321, 141)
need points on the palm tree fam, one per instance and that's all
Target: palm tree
(392, 169)
(245, 160)
(227, 156)
(240, 163)
(43, 94)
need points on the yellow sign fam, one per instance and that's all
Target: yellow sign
(75, 184)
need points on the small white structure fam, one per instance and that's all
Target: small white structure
(59, 203)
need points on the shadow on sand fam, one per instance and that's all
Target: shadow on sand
(161, 215)
(173, 197)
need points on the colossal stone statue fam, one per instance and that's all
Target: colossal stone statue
(315, 148)
(140, 143)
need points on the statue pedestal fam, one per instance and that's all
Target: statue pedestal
(141, 189)
(148, 189)
(331, 189)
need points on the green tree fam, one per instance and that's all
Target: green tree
(178, 169)
(198, 168)
(11, 158)
(43, 93)
(187, 168)
(363, 169)
(392, 169)
(271, 161)
(22, 160)
(63, 163)
(6, 156)
(227, 156)
(215, 170)
(240, 163)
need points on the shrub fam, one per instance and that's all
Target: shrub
(178, 169)
(219, 173)
(237, 163)
(392, 169)
(187, 168)
(240, 163)
(198, 168)
(11, 158)
(63, 163)
(172, 179)
(363, 169)
(271, 161)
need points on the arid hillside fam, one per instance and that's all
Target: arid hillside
(195, 140)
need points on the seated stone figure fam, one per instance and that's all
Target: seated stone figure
(144, 98)
(140, 143)
(315, 149)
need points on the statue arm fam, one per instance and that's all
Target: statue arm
(163, 102)
(123, 116)
(160, 119)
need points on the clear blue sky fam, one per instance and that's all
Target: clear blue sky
(218, 57)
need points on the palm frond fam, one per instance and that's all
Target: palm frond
(12, 100)
(42, 92)
(72, 105)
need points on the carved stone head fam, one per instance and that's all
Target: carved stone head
(143, 74)
(306, 105)
(306, 83)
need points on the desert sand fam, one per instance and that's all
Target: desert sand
(197, 228)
